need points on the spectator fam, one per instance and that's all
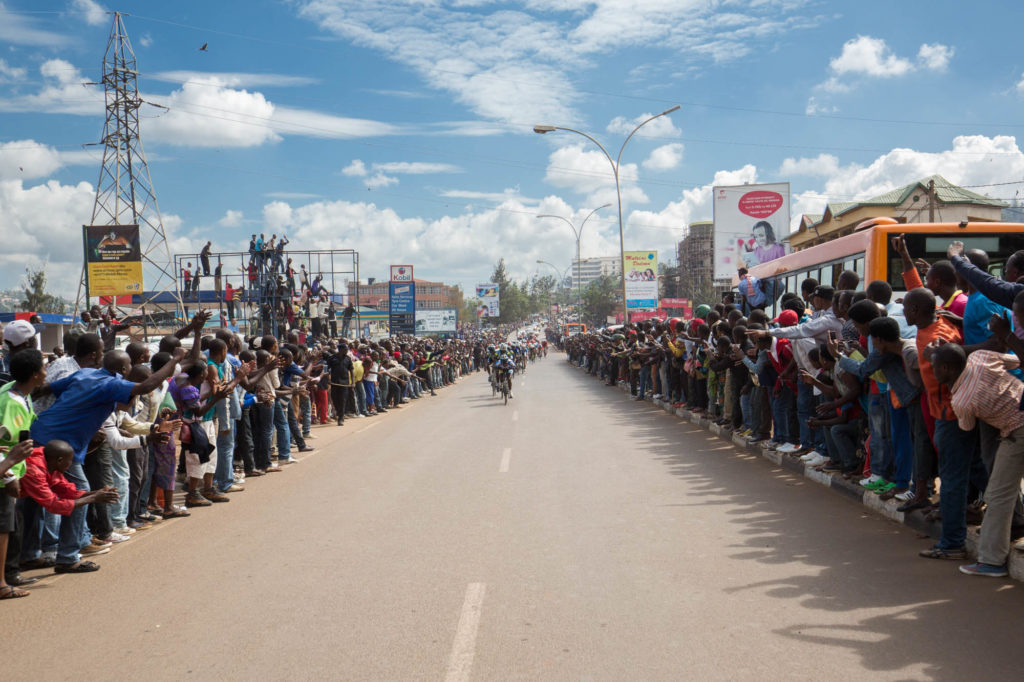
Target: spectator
(204, 258)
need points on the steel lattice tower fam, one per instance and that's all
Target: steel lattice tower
(124, 192)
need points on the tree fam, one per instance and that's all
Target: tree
(36, 299)
(601, 299)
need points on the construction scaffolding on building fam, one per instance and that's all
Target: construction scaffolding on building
(264, 298)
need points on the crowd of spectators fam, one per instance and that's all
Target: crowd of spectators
(99, 443)
(918, 399)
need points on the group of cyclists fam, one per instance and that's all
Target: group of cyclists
(503, 360)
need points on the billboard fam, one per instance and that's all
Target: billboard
(401, 273)
(750, 221)
(443, 321)
(402, 307)
(641, 279)
(113, 259)
(489, 304)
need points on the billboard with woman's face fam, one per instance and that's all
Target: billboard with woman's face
(750, 221)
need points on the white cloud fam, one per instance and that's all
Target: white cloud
(814, 107)
(935, 57)
(378, 180)
(18, 29)
(659, 127)
(694, 204)
(28, 159)
(508, 194)
(356, 169)
(234, 79)
(665, 157)
(91, 12)
(869, 56)
(64, 91)
(587, 171)
(416, 167)
(231, 218)
(821, 165)
(207, 114)
(513, 62)
(10, 73)
(146, 40)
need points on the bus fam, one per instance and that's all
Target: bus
(574, 328)
(869, 253)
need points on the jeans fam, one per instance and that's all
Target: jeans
(805, 403)
(243, 439)
(902, 445)
(264, 434)
(73, 532)
(284, 441)
(746, 410)
(119, 469)
(138, 467)
(959, 462)
(224, 477)
(360, 398)
(97, 470)
(782, 407)
(306, 409)
(371, 393)
(878, 423)
(843, 443)
(924, 451)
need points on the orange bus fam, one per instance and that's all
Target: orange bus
(869, 253)
(574, 328)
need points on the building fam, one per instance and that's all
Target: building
(696, 255)
(931, 199)
(591, 269)
(429, 295)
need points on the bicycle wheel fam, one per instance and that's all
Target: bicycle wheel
(504, 390)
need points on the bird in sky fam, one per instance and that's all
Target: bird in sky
(203, 48)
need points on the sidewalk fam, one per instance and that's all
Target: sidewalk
(849, 489)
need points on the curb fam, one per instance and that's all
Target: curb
(886, 508)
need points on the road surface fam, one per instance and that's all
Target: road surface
(571, 535)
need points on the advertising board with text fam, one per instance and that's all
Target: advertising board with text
(401, 273)
(113, 259)
(442, 321)
(750, 222)
(402, 308)
(641, 279)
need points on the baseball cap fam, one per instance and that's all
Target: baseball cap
(787, 318)
(18, 332)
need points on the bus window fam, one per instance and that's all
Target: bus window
(827, 278)
(858, 267)
(932, 247)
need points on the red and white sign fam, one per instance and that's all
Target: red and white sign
(750, 222)
(675, 302)
(401, 273)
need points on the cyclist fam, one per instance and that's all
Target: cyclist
(505, 366)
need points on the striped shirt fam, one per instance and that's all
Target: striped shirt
(987, 391)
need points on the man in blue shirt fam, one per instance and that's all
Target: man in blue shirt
(84, 400)
(750, 289)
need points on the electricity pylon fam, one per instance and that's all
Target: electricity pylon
(124, 193)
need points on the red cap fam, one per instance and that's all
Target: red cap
(787, 318)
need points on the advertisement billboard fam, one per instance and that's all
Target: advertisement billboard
(402, 307)
(641, 279)
(489, 304)
(750, 222)
(113, 259)
(401, 273)
(443, 321)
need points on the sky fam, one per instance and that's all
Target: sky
(404, 129)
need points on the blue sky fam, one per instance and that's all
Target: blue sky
(403, 129)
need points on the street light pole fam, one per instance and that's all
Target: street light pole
(542, 129)
(558, 272)
(578, 234)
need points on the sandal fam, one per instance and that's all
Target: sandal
(11, 592)
(255, 472)
(175, 513)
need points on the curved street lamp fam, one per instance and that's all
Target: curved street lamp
(541, 129)
(578, 234)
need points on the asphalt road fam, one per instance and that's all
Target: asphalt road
(570, 535)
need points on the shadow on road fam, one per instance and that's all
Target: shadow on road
(893, 609)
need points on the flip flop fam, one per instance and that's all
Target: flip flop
(176, 514)
(11, 592)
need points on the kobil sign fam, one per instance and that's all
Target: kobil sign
(401, 273)
(402, 300)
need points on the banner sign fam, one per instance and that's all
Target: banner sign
(750, 221)
(641, 315)
(489, 304)
(402, 307)
(443, 321)
(401, 273)
(641, 279)
(675, 302)
(113, 259)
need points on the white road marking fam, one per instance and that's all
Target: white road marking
(460, 663)
(506, 457)
(515, 415)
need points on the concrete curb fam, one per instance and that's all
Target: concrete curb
(913, 520)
